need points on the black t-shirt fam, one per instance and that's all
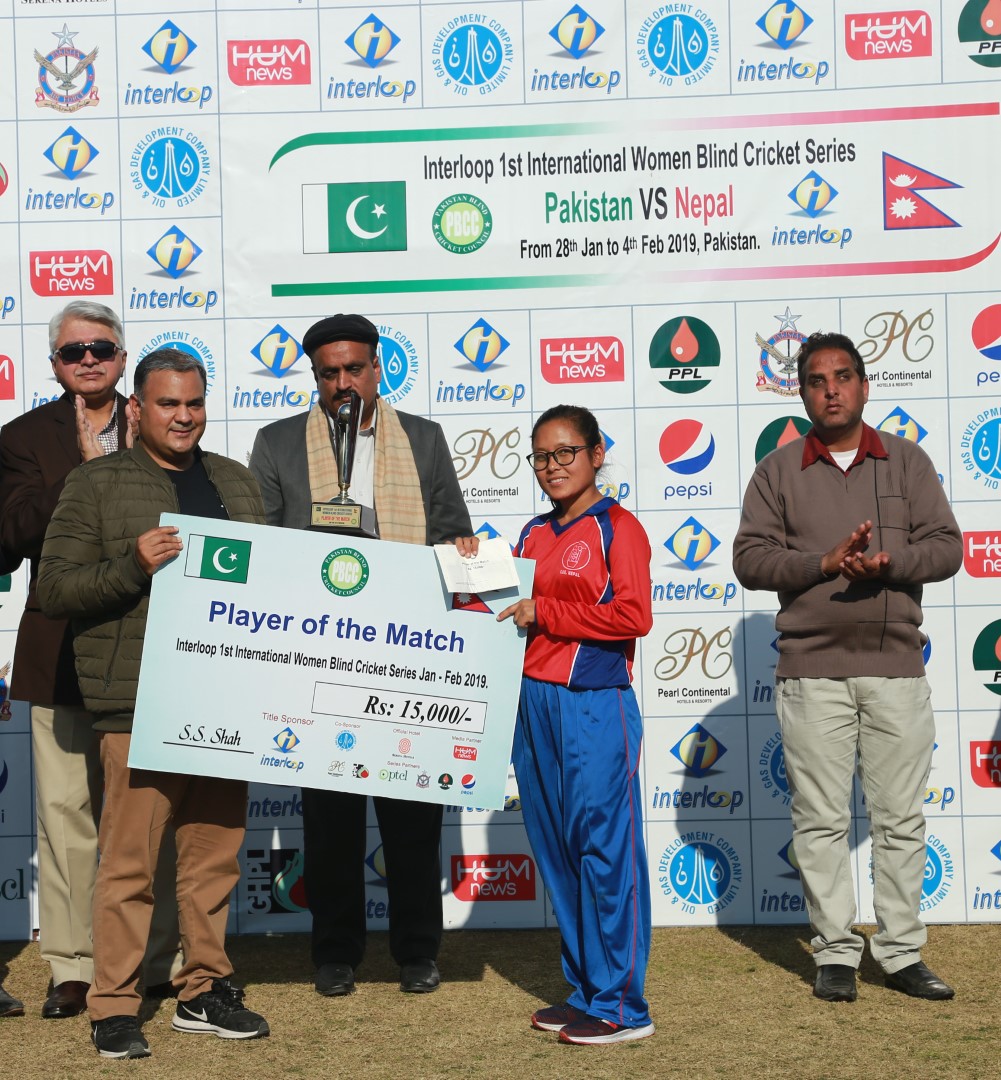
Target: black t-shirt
(196, 494)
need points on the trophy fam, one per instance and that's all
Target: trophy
(342, 514)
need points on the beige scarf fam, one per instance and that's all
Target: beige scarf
(399, 504)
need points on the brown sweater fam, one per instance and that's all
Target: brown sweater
(798, 505)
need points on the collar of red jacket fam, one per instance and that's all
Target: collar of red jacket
(869, 445)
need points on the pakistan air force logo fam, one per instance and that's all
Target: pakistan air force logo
(65, 75)
(777, 359)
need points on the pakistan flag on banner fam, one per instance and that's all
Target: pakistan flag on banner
(217, 558)
(354, 217)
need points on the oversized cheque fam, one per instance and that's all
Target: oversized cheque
(292, 657)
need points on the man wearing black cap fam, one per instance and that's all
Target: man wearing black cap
(403, 469)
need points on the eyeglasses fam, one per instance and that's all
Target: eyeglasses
(77, 350)
(562, 455)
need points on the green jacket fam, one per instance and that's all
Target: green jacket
(88, 570)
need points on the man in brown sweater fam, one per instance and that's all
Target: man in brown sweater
(846, 524)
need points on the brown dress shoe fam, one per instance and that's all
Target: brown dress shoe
(66, 999)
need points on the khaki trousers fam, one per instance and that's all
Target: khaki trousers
(888, 724)
(68, 783)
(208, 816)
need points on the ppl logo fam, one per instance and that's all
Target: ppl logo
(372, 41)
(813, 194)
(982, 554)
(692, 543)
(254, 62)
(986, 332)
(698, 750)
(887, 35)
(71, 153)
(278, 350)
(686, 352)
(576, 32)
(87, 272)
(985, 763)
(980, 30)
(169, 47)
(785, 429)
(6, 379)
(493, 877)
(481, 344)
(582, 360)
(784, 23)
(899, 423)
(174, 252)
(687, 447)
(987, 655)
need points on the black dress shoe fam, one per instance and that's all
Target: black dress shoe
(334, 980)
(419, 977)
(10, 1006)
(835, 982)
(919, 982)
(66, 999)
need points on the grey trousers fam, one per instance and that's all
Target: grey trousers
(888, 724)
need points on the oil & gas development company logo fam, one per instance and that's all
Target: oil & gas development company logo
(472, 51)
(701, 872)
(678, 48)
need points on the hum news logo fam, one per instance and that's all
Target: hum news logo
(256, 62)
(982, 554)
(582, 360)
(493, 877)
(985, 763)
(888, 35)
(86, 272)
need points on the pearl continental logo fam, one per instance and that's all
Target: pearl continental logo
(710, 653)
(678, 45)
(170, 166)
(66, 75)
(908, 335)
(462, 224)
(472, 51)
(345, 571)
(701, 872)
(686, 352)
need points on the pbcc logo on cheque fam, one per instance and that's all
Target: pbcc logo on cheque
(345, 571)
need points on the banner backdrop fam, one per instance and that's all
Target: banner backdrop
(643, 208)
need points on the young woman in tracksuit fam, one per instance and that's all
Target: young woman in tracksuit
(577, 739)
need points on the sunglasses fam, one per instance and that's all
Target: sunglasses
(77, 350)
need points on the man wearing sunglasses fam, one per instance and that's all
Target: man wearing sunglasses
(37, 452)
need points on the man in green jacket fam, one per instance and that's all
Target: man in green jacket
(102, 547)
(847, 524)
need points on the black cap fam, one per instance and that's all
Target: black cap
(340, 328)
